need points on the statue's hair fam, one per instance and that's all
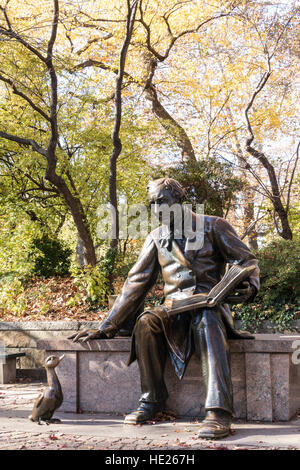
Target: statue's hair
(171, 184)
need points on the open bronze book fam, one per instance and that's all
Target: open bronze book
(234, 276)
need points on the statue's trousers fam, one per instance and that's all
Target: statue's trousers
(209, 344)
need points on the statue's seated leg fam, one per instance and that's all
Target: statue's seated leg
(212, 346)
(151, 353)
(128, 325)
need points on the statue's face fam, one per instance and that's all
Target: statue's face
(159, 195)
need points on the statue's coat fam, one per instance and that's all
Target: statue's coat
(183, 270)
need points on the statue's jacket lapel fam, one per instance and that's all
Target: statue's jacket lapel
(179, 280)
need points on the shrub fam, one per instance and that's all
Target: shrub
(279, 297)
(51, 257)
(12, 295)
(96, 282)
(279, 264)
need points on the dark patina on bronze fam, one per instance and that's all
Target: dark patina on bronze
(51, 398)
(204, 331)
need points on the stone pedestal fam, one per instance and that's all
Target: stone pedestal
(8, 371)
(8, 367)
(265, 377)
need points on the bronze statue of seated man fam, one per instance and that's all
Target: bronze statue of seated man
(204, 331)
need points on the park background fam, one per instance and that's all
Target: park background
(98, 97)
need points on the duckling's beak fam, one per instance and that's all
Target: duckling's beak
(61, 357)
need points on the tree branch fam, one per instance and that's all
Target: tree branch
(26, 142)
(279, 209)
(10, 82)
(251, 226)
(13, 35)
(162, 57)
(292, 178)
(53, 102)
(131, 13)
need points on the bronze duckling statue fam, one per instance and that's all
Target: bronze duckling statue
(50, 399)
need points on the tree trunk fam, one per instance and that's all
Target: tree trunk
(248, 193)
(249, 217)
(113, 199)
(173, 128)
(279, 209)
(76, 209)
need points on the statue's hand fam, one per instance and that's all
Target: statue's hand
(241, 294)
(107, 330)
(87, 335)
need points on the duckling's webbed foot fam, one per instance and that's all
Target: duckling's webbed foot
(53, 421)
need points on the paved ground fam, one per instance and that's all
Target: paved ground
(107, 432)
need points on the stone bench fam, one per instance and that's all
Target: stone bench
(265, 375)
(8, 367)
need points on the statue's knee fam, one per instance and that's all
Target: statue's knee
(144, 319)
(148, 321)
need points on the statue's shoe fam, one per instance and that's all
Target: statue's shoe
(216, 425)
(145, 412)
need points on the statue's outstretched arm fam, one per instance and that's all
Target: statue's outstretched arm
(140, 279)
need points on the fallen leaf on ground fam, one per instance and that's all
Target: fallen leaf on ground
(217, 447)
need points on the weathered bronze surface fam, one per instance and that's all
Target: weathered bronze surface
(50, 399)
(203, 331)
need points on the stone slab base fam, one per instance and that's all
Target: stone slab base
(265, 376)
(23, 336)
(8, 371)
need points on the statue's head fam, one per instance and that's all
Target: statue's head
(165, 191)
(166, 196)
(52, 361)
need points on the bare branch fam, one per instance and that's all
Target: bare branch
(10, 82)
(118, 115)
(292, 178)
(258, 89)
(279, 209)
(14, 35)
(101, 20)
(162, 57)
(53, 102)
(119, 79)
(53, 32)
(251, 226)
(26, 142)
(3, 9)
